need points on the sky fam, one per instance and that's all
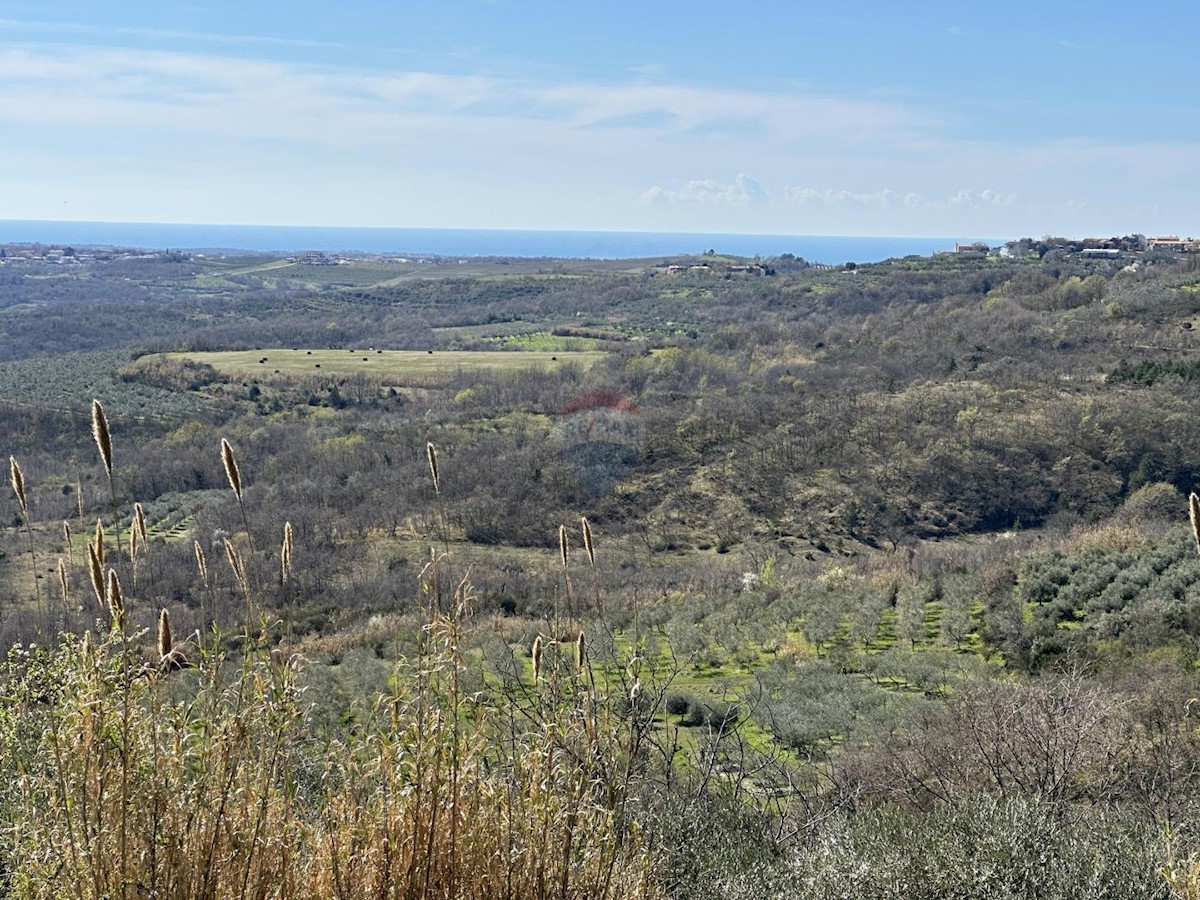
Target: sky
(868, 118)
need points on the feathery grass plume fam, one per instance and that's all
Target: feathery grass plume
(79, 498)
(431, 453)
(62, 579)
(139, 523)
(133, 544)
(201, 562)
(231, 469)
(536, 653)
(581, 652)
(99, 541)
(285, 553)
(96, 572)
(116, 603)
(235, 563)
(1194, 510)
(18, 484)
(587, 540)
(67, 533)
(562, 544)
(103, 436)
(164, 635)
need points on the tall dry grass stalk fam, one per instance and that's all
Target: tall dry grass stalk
(238, 566)
(139, 525)
(115, 601)
(564, 559)
(104, 443)
(102, 436)
(587, 541)
(432, 456)
(285, 554)
(18, 484)
(201, 562)
(235, 564)
(1194, 514)
(234, 474)
(590, 548)
(433, 576)
(164, 635)
(96, 573)
(98, 542)
(208, 599)
(229, 461)
(17, 478)
(63, 582)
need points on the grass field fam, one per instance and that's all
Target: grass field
(395, 364)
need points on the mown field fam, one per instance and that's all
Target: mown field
(397, 365)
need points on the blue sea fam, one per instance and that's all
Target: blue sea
(464, 242)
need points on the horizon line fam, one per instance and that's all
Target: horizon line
(530, 230)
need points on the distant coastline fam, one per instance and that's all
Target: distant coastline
(465, 241)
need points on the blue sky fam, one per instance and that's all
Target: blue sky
(922, 118)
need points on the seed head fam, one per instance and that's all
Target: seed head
(164, 635)
(581, 653)
(116, 603)
(236, 564)
(99, 541)
(201, 562)
(536, 653)
(62, 579)
(562, 544)
(139, 522)
(1194, 510)
(102, 435)
(431, 453)
(231, 469)
(285, 553)
(18, 484)
(587, 541)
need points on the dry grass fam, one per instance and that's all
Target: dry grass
(180, 780)
(205, 784)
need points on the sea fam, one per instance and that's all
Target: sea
(467, 242)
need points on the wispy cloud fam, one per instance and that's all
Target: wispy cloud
(887, 199)
(649, 118)
(890, 199)
(252, 97)
(109, 31)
